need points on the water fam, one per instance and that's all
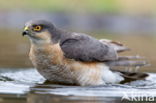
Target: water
(28, 86)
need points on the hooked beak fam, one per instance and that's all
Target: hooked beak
(26, 31)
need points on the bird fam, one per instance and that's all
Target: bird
(77, 58)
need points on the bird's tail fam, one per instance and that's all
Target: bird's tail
(128, 61)
(132, 63)
(131, 76)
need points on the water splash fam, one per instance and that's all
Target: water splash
(21, 81)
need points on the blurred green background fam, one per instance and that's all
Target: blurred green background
(132, 22)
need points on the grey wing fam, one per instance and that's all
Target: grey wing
(82, 47)
(124, 61)
(116, 45)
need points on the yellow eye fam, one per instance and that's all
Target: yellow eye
(37, 28)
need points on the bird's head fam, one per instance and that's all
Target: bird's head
(39, 31)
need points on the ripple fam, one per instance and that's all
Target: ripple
(22, 81)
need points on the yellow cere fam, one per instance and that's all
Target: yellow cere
(26, 28)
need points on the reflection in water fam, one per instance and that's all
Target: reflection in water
(21, 86)
(12, 98)
(49, 98)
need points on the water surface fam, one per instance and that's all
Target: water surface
(28, 86)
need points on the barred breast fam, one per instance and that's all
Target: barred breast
(51, 64)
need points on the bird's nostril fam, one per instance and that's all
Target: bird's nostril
(25, 33)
